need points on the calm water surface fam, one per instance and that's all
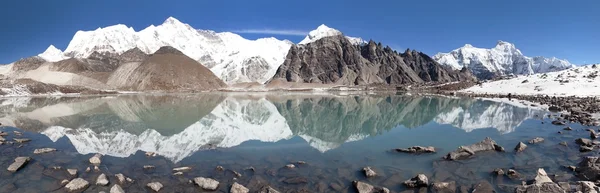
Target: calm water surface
(335, 135)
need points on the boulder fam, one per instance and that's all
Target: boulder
(156, 186)
(77, 185)
(43, 150)
(539, 188)
(206, 183)
(586, 186)
(584, 148)
(18, 164)
(589, 169)
(116, 189)
(417, 181)
(536, 140)
(238, 188)
(584, 141)
(102, 180)
(520, 147)
(466, 151)
(542, 177)
(443, 187)
(369, 172)
(417, 149)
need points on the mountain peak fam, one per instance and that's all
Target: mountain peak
(504, 44)
(52, 54)
(321, 32)
(172, 20)
(468, 46)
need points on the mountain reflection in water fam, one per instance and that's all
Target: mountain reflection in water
(176, 126)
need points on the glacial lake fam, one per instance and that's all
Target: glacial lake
(335, 135)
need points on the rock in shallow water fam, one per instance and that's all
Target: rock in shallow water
(102, 180)
(417, 149)
(584, 141)
(536, 140)
(43, 150)
(156, 186)
(182, 169)
(269, 189)
(584, 148)
(238, 188)
(116, 189)
(417, 181)
(443, 187)
(77, 184)
(18, 164)
(362, 187)
(466, 151)
(72, 172)
(369, 172)
(95, 160)
(542, 177)
(206, 183)
(520, 147)
(23, 140)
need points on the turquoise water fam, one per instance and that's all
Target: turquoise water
(336, 135)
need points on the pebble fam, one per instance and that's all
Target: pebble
(121, 178)
(178, 173)
(182, 169)
(43, 150)
(18, 164)
(290, 166)
(150, 154)
(156, 186)
(23, 140)
(369, 172)
(148, 167)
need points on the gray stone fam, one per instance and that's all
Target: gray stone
(499, 171)
(2, 139)
(417, 149)
(182, 169)
(72, 172)
(584, 141)
(178, 173)
(156, 186)
(362, 187)
(95, 160)
(536, 140)
(77, 184)
(483, 187)
(417, 181)
(584, 148)
(150, 154)
(369, 172)
(542, 177)
(520, 147)
(540, 188)
(290, 166)
(593, 134)
(587, 186)
(589, 169)
(443, 187)
(43, 150)
(23, 140)
(466, 151)
(102, 180)
(149, 167)
(121, 178)
(238, 188)
(206, 183)
(269, 189)
(116, 189)
(18, 164)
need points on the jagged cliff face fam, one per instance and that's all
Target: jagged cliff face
(336, 60)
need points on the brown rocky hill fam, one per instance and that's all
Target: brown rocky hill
(167, 69)
(335, 60)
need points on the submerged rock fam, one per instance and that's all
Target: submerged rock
(18, 164)
(417, 149)
(483, 187)
(121, 178)
(584, 141)
(238, 188)
(466, 151)
(95, 160)
(369, 172)
(362, 187)
(23, 140)
(512, 174)
(557, 122)
(499, 171)
(156, 186)
(593, 134)
(520, 147)
(43, 150)
(536, 140)
(584, 148)
(150, 154)
(102, 180)
(290, 166)
(417, 181)
(149, 167)
(116, 189)
(568, 129)
(206, 183)
(443, 187)
(2, 133)
(77, 184)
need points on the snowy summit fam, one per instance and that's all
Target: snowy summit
(503, 59)
(323, 31)
(52, 54)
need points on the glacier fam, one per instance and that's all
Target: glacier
(503, 59)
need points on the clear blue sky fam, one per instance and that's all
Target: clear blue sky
(565, 29)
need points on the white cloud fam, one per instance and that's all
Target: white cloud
(272, 31)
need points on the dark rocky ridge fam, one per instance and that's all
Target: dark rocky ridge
(335, 60)
(26, 64)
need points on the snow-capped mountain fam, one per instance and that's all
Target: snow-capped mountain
(52, 54)
(230, 56)
(503, 59)
(324, 31)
